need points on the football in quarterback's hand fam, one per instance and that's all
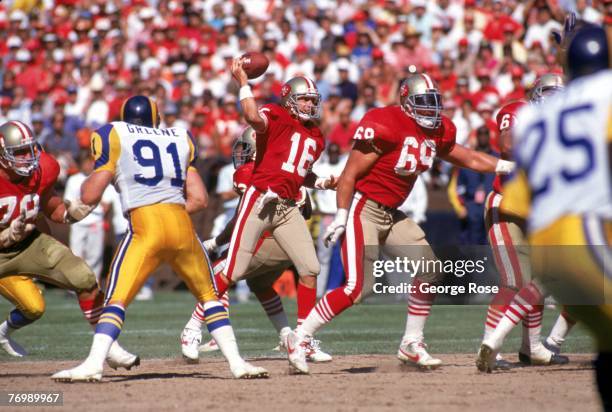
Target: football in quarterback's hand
(254, 64)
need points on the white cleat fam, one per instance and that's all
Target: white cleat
(282, 339)
(296, 352)
(118, 357)
(190, 343)
(210, 346)
(315, 354)
(415, 353)
(11, 347)
(245, 370)
(82, 373)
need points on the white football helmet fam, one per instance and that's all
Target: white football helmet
(243, 150)
(298, 87)
(421, 100)
(546, 85)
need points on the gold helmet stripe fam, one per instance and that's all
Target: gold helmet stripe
(153, 111)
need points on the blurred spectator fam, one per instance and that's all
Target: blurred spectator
(97, 113)
(57, 140)
(366, 102)
(471, 190)
(342, 134)
(301, 65)
(348, 89)
(540, 30)
(585, 11)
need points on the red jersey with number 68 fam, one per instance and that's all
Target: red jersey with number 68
(506, 118)
(406, 150)
(25, 195)
(285, 152)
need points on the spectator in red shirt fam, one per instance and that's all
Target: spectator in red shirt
(28, 75)
(486, 87)
(518, 93)
(343, 132)
(494, 30)
(448, 78)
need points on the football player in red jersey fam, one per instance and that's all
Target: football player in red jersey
(520, 298)
(288, 143)
(27, 177)
(267, 265)
(392, 146)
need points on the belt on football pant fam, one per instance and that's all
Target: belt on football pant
(378, 205)
(22, 244)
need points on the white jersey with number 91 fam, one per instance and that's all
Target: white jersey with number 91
(149, 164)
(561, 148)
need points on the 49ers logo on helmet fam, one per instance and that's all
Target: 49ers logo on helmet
(285, 90)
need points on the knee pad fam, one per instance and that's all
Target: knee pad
(34, 308)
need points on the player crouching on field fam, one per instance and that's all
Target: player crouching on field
(27, 179)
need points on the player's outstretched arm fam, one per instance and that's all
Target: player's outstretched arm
(196, 195)
(93, 187)
(478, 161)
(322, 183)
(247, 101)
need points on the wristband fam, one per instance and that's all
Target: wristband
(245, 93)
(503, 167)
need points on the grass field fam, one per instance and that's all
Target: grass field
(152, 329)
(364, 375)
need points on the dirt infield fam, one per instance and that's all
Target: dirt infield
(349, 383)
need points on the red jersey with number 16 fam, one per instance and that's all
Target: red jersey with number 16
(506, 118)
(285, 152)
(406, 150)
(25, 194)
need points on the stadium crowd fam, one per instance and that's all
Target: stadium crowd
(67, 65)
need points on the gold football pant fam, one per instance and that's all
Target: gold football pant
(24, 294)
(159, 233)
(572, 257)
